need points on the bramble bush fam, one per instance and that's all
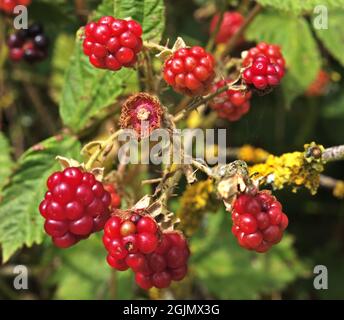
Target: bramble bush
(92, 220)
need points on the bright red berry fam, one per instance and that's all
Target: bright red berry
(112, 43)
(115, 197)
(8, 5)
(190, 71)
(319, 86)
(75, 205)
(156, 258)
(258, 221)
(264, 66)
(231, 104)
(230, 24)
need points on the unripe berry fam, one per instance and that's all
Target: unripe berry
(231, 104)
(264, 66)
(156, 258)
(190, 71)
(230, 24)
(8, 5)
(71, 208)
(258, 221)
(319, 86)
(112, 43)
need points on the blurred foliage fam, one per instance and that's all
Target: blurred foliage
(32, 97)
(228, 272)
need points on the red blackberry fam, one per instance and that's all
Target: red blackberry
(319, 86)
(258, 221)
(136, 242)
(264, 66)
(8, 5)
(75, 205)
(115, 197)
(30, 45)
(190, 71)
(231, 104)
(231, 22)
(112, 43)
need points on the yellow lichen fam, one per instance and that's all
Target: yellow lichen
(251, 154)
(294, 169)
(338, 190)
(194, 203)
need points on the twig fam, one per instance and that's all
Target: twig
(233, 40)
(41, 109)
(328, 182)
(151, 181)
(213, 35)
(333, 153)
(102, 148)
(198, 101)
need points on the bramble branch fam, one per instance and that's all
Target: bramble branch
(233, 41)
(333, 153)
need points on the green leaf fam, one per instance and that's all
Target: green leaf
(298, 6)
(83, 273)
(63, 49)
(88, 91)
(5, 160)
(333, 37)
(150, 13)
(104, 9)
(227, 271)
(298, 47)
(20, 221)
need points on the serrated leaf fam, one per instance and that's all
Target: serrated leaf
(150, 13)
(5, 160)
(333, 37)
(228, 271)
(84, 274)
(88, 91)
(299, 6)
(20, 221)
(298, 47)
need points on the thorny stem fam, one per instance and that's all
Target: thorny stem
(213, 35)
(153, 45)
(233, 41)
(198, 101)
(103, 147)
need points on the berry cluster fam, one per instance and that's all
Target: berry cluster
(29, 44)
(8, 5)
(112, 43)
(75, 205)
(136, 242)
(115, 197)
(258, 221)
(231, 104)
(190, 71)
(319, 86)
(230, 24)
(264, 66)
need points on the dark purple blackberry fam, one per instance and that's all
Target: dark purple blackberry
(30, 45)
